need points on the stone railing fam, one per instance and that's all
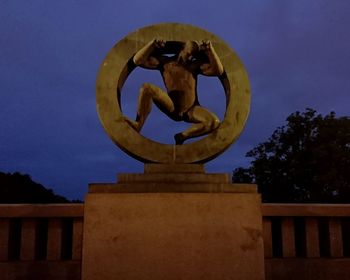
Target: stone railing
(41, 241)
(304, 241)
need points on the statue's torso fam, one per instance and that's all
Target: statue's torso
(180, 82)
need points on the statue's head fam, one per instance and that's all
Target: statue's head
(188, 51)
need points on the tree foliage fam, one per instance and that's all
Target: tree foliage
(18, 188)
(307, 160)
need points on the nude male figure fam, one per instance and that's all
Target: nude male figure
(179, 73)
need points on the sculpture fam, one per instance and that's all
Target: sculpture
(179, 73)
(122, 60)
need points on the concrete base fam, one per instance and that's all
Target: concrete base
(165, 235)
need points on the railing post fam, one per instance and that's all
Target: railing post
(4, 238)
(267, 237)
(77, 238)
(28, 239)
(312, 238)
(335, 238)
(288, 237)
(54, 239)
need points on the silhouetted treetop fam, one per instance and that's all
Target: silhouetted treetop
(307, 160)
(19, 188)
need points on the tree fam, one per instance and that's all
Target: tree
(307, 160)
(18, 188)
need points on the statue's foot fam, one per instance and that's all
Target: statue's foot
(179, 139)
(134, 124)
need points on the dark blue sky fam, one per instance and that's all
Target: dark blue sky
(296, 54)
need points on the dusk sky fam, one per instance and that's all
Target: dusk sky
(296, 52)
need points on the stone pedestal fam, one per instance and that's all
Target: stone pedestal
(172, 222)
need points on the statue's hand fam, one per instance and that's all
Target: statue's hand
(205, 45)
(159, 43)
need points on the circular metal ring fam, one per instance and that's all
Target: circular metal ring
(118, 65)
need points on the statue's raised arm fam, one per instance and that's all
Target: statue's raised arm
(214, 67)
(144, 57)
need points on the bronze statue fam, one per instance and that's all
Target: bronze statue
(179, 63)
(179, 72)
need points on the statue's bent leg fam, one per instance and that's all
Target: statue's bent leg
(151, 94)
(204, 123)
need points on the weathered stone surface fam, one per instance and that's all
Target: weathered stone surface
(172, 188)
(307, 269)
(173, 178)
(173, 168)
(173, 230)
(40, 270)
